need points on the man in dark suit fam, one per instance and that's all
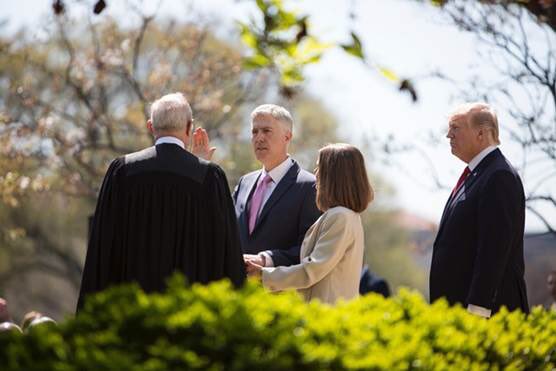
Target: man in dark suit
(373, 283)
(478, 252)
(277, 204)
(162, 210)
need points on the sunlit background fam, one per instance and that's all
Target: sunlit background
(61, 127)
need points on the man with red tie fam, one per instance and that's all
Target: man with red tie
(478, 252)
(277, 204)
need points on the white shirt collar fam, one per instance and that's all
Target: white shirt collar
(478, 158)
(279, 171)
(172, 140)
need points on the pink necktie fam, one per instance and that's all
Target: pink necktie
(461, 179)
(257, 201)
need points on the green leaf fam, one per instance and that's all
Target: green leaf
(438, 2)
(262, 5)
(311, 50)
(255, 62)
(248, 37)
(389, 74)
(291, 76)
(313, 59)
(355, 48)
(285, 20)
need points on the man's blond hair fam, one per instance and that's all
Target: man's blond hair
(479, 114)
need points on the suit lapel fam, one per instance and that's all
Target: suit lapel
(467, 184)
(452, 201)
(444, 214)
(474, 176)
(287, 181)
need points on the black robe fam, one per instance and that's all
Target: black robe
(162, 210)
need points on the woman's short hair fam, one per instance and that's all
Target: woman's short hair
(171, 113)
(342, 178)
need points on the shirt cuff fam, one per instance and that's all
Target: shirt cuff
(480, 311)
(268, 262)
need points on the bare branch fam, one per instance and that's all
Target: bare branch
(542, 219)
(138, 41)
(543, 198)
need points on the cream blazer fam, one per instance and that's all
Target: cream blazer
(331, 260)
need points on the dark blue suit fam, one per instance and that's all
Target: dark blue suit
(285, 217)
(478, 252)
(371, 283)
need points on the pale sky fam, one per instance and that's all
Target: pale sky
(410, 38)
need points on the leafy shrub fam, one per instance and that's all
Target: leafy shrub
(217, 328)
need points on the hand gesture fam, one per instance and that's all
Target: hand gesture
(201, 146)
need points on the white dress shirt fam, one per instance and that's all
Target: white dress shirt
(475, 309)
(472, 165)
(169, 139)
(479, 157)
(276, 174)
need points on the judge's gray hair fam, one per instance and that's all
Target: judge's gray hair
(171, 113)
(278, 113)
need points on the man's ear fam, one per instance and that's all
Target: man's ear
(150, 126)
(289, 136)
(481, 134)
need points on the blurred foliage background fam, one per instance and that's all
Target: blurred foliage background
(80, 96)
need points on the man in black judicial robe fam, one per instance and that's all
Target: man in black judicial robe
(162, 210)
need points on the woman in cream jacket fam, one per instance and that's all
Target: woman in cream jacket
(332, 252)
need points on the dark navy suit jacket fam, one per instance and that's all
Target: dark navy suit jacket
(285, 217)
(478, 252)
(371, 283)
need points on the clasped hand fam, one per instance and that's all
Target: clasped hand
(253, 265)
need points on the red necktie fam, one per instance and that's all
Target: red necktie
(461, 179)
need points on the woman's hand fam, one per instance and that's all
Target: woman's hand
(253, 270)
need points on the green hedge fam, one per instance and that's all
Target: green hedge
(216, 328)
